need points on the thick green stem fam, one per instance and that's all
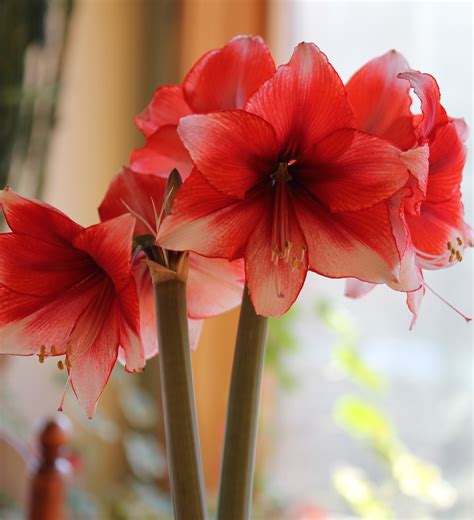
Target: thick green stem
(235, 490)
(179, 408)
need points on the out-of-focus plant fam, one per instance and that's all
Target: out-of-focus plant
(31, 50)
(408, 474)
(281, 342)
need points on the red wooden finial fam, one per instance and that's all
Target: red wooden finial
(48, 483)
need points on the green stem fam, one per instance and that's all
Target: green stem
(179, 408)
(235, 490)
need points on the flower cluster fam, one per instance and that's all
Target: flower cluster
(285, 170)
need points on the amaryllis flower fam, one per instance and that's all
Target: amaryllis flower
(214, 285)
(67, 291)
(222, 79)
(290, 185)
(430, 207)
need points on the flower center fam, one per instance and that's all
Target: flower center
(281, 244)
(282, 247)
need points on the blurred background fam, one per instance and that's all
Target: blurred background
(360, 417)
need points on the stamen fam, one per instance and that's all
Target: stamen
(281, 245)
(41, 358)
(459, 241)
(457, 311)
(61, 404)
(53, 350)
(60, 365)
(140, 218)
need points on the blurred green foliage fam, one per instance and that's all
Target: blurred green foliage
(406, 474)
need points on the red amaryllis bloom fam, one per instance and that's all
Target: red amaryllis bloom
(214, 285)
(222, 79)
(290, 185)
(67, 291)
(430, 207)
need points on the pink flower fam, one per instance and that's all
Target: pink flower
(289, 184)
(214, 285)
(67, 291)
(222, 79)
(428, 211)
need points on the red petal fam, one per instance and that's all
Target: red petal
(381, 100)
(140, 192)
(352, 170)
(349, 245)
(234, 150)
(161, 153)
(356, 288)
(28, 322)
(447, 159)
(224, 79)
(91, 369)
(427, 90)
(417, 162)
(214, 285)
(461, 128)
(110, 245)
(274, 286)
(130, 328)
(437, 225)
(166, 108)
(37, 219)
(304, 101)
(208, 222)
(39, 269)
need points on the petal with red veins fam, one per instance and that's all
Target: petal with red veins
(233, 150)
(351, 170)
(28, 322)
(427, 90)
(357, 244)
(163, 152)
(139, 192)
(208, 222)
(130, 328)
(214, 285)
(110, 245)
(90, 369)
(225, 78)
(437, 225)
(37, 219)
(447, 159)
(381, 100)
(304, 101)
(166, 108)
(273, 284)
(39, 269)
(417, 162)
(356, 288)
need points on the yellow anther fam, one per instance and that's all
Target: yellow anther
(453, 251)
(53, 350)
(294, 262)
(68, 363)
(451, 258)
(459, 241)
(458, 256)
(450, 246)
(303, 252)
(43, 350)
(60, 365)
(41, 358)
